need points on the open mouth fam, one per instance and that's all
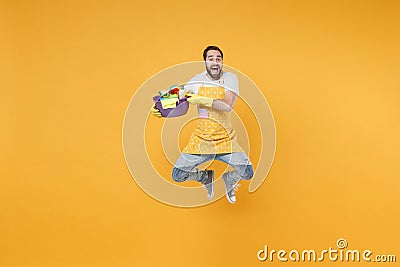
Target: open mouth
(214, 69)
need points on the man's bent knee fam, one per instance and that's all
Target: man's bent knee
(178, 175)
(248, 173)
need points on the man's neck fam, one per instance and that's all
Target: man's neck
(214, 79)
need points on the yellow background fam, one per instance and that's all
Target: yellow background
(329, 69)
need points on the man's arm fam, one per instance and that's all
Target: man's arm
(225, 104)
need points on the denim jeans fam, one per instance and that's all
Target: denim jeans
(185, 167)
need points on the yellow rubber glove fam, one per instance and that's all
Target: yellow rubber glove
(202, 100)
(155, 112)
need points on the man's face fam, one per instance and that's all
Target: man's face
(214, 64)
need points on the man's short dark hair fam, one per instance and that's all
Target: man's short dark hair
(212, 47)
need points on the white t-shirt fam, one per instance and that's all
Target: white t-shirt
(228, 80)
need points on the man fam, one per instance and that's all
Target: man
(214, 92)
